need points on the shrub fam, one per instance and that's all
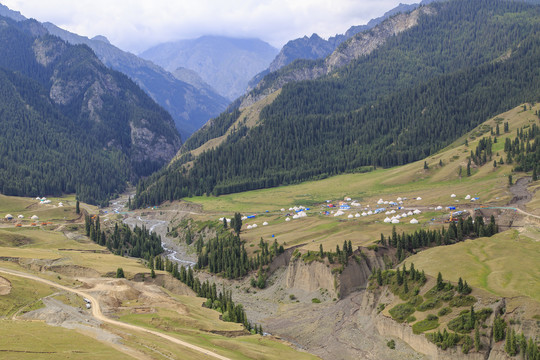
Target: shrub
(429, 304)
(391, 344)
(315, 301)
(401, 312)
(462, 300)
(444, 311)
(425, 325)
(416, 300)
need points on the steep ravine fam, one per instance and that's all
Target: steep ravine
(347, 323)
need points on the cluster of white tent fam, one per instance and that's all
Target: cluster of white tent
(249, 227)
(296, 208)
(396, 219)
(227, 219)
(298, 215)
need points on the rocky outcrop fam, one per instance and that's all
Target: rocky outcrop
(148, 146)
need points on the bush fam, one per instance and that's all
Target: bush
(444, 311)
(401, 312)
(416, 300)
(391, 344)
(425, 325)
(429, 304)
(462, 300)
(411, 319)
(315, 301)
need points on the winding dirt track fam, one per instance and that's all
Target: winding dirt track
(96, 312)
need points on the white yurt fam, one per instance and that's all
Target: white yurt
(350, 216)
(295, 216)
(254, 226)
(357, 215)
(404, 215)
(34, 217)
(288, 219)
(302, 214)
(419, 198)
(453, 195)
(339, 213)
(414, 221)
(265, 223)
(418, 211)
(468, 197)
(249, 227)
(21, 216)
(370, 212)
(438, 207)
(364, 214)
(381, 201)
(399, 199)
(387, 220)
(410, 213)
(283, 209)
(9, 217)
(395, 221)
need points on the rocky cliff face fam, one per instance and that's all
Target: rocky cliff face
(361, 44)
(310, 277)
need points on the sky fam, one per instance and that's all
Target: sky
(136, 25)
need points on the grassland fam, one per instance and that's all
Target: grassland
(505, 264)
(36, 340)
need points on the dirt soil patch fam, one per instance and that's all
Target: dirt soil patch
(5, 286)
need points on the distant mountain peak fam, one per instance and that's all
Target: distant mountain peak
(102, 39)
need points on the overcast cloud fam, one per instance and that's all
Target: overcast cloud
(136, 25)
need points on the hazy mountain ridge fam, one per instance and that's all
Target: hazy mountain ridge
(227, 64)
(89, 128)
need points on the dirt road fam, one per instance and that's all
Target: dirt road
(96, 312)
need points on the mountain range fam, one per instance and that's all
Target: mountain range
(387, 96)
(190, 104)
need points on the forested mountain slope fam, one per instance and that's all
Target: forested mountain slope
(70, 124)
(190, 105)
(404, 101)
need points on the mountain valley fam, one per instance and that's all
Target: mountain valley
(373, 195)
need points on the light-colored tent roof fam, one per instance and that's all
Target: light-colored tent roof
(419, 198)
(453, 195)
(387, 220)
(288, 219)
(34, 217)
(418, 211)
(21, 216)
(414, 221)
(395, 221)
(249, 227)
(350, 216)
(9, 216)
(265, 223)
(467, 197)
(357, 215)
